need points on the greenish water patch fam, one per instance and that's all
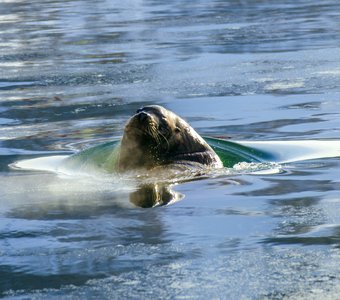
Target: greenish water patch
(101, 157)
(232, 153)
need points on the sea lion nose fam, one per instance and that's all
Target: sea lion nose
(142, 116)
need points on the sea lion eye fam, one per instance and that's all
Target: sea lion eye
(177, 130)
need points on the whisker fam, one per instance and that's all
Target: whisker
(166, 140)
(157, 136)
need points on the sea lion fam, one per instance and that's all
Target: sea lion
(156, 138)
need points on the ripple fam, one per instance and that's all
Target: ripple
(12, 85)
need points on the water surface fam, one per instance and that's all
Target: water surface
(71, 74)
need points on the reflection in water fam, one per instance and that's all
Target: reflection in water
(152, 195)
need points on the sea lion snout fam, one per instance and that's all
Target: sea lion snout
(140, 120)
(143, 116)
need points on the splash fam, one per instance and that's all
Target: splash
(258, 168)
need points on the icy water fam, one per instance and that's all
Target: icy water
(73, 72)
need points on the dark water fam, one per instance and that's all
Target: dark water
(72, 72)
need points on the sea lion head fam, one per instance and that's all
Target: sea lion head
(155, 136)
